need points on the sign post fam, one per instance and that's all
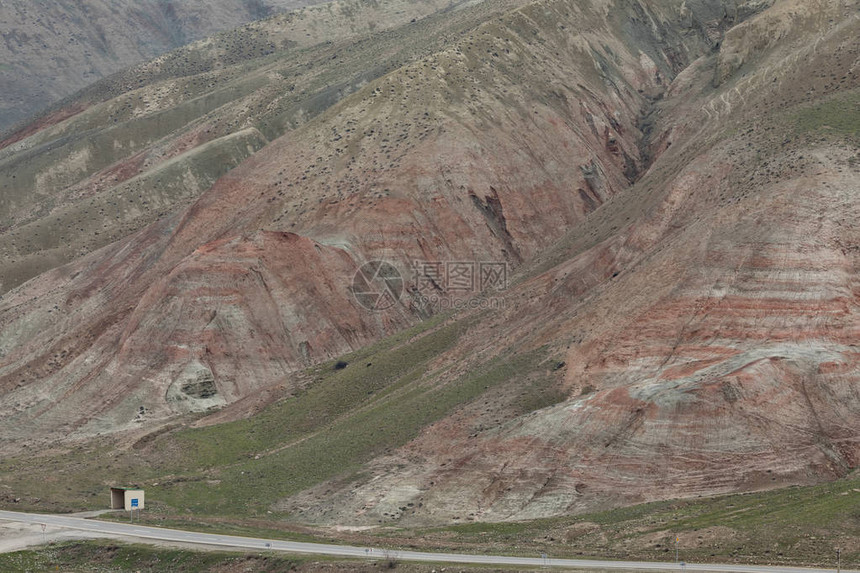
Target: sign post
(135, 504)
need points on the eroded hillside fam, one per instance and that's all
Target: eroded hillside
(138, 146)
(672, 186)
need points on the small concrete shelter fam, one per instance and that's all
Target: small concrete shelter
(126, 498)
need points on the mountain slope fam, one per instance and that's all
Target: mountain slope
(718, 350)
(356, 181)
(674, 189)
(133, 148)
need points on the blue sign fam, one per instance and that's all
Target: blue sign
(134, 502)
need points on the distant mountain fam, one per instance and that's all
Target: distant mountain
(53, 48)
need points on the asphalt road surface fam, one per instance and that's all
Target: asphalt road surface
(232, 542)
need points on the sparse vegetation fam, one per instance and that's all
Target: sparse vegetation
(838, 115)
(796, 525)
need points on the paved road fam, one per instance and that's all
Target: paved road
(142, 532)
